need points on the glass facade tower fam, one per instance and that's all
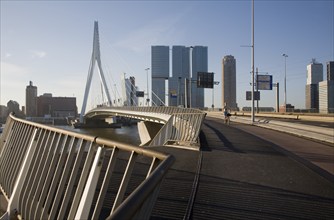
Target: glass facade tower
(160, 73)
(179, 87)
(178, 83)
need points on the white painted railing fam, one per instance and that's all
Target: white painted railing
(51, 173)
(181, 125)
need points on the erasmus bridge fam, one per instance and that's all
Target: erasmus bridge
(50, 173)
(180, 126)
(190, 165)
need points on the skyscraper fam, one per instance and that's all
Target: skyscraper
(326, 96)
(160, 73)
(314, 72)
(330, 71)
(31, 100)
(229, 85)
(180, 92)
(182, 58)
(199, 64)
(314, 76)
(180, 72)
(312, 97)
(326, 91)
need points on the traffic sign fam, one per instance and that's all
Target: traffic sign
(264, 82)
(249, 95)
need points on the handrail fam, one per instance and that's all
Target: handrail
(154, 109)
(47, 172)
(181, 125)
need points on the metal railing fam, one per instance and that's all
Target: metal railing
(181, 127)
(51, 173)
(154, 109)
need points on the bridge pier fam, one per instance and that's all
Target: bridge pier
(147, 131)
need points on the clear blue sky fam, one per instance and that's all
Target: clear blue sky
(50, 42)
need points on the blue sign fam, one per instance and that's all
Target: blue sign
(264, 82)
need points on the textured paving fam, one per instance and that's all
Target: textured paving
(242, 176)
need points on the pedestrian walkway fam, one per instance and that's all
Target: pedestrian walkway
(237, 175)
(318, 154)
(307, 131)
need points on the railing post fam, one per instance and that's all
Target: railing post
(88, 193)
(105, 184)
(125, 181)
(14, 199)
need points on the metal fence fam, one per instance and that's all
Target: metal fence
(51, 173)
(181, 127)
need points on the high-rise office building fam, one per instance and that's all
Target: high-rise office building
(330, 71)
(326, 91)
(229, 82)
(314, 76)
(180, 72)
(180, 92)
(199, 63)
(31, 100)
(312, 97)
(314, 72)
(326, 97)
(160, 73)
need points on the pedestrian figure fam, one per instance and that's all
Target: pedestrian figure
(227, 116)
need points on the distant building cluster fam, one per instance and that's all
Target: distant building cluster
(48, 106)
(319, 93)
(37, 107)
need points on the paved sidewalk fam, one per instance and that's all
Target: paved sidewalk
(307, 131)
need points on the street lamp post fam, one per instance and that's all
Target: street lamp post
(285, 100)
(277, 96)
(147, 97)
(190, 72)
(252, 117)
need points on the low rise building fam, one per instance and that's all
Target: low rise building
(57, 107)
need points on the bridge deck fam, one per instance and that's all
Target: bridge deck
(241, 176)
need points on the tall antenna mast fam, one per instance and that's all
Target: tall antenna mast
(96, 58)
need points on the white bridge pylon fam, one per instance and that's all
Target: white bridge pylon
(96, 58)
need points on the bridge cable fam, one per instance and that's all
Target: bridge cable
(153, 93)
